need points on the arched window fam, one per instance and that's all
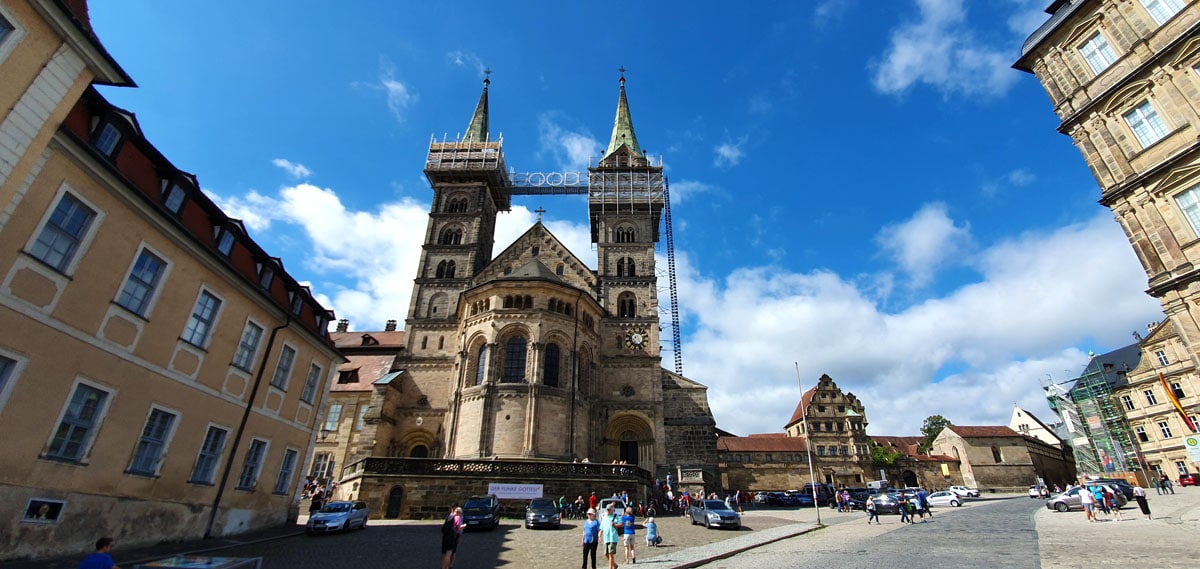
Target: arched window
(559, 269)
(457, 205)
(626, 305)
(445, 270)
(439, 306)
(508, 302)
(481, 365)
(550, 374)
(419, 451)
(625, 267)
(450, 236)
(528, 302)
(626, 234)
(514, 360)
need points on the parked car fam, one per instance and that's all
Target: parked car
(1125, 487)
(1035, 491)
(780, 499)
(481, 512)
(542, 512)
(1069, 499)
(618, 506)
(965, 491)
(1187, 479)
(714, 513)
(944, 498)
(886, 503)
(338, 516)
(760, 498)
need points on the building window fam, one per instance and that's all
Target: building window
(333, 418)
(283, 369)
(362, 416)
(210, 455)
(78, 424)
(297, 301)
(1162, 357)
(514, 360)
(266, 275)
(8, 368)
(457, 205)
(1145, 123)
(108, 139)
(820, 450)
(1165, 429)
(997, 457)
(1177, 390)
(310, 384)
(224, 241)
(141, 282)
(204, 315)
(174, 198)
(284, 480)
(550, 374)
(153, 443)
(252, 465)
(1181, 466)
(1141, 434)
(844, 451)
(481, 365)
(6, 28)
(1127, 401)
(1150, 399)
(560, 269)
(626, 235)
(247, 346)
(626, 305)
(59, 239)
(322, 465)
(450, 236)
(625, 267)
(1098, 53)
(445, 270)
(1162, 10)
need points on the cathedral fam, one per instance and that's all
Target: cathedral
(526, 355)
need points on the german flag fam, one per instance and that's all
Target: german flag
(1175, 401)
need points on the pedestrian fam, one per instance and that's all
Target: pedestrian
(318, 500)
(1139, 494)
(923, 504)
(610, 527)
(652, 537)
(902, 507)
(593, 501)
(1158, 486)
(101, 558)
(452, 528)
(591, 538)
(1168, 486)
(628, 521)
(1101, 501)
(1088, 503)
(872, 512)
(1114, 506)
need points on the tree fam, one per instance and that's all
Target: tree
(883, 455)
(931, 429)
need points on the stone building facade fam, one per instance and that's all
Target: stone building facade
(160, 373)
(1165, 371)
(997, 458)
(529, 355)
(1124, 79)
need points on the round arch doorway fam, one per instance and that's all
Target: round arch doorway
(630, 439)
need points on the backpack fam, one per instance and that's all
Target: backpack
(448, 526)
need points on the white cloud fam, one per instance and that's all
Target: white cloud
(573, 150)
(254, 209)
(1021, 177)
(925, 242)
(398, 95)
(684, 189)
(729, 153)
(989, 342)
(295, 170)
(830, 10)
(940, 50)
(466, 59)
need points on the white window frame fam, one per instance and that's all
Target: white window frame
(14, 35)
(85, 449)
(283, 374)
(311, 382)
(1127, 401)
(224, 240)
(174, 197)
(1146, 124)
(1181, 466)
(204, 454)
(362, 416)
(1150, 398)
(287, 473)
(10, 372)
(253, 471)
(1164, 428)
(1162, 11)
(71, 262)
(165, 443)
(211, 323)
(1098, 53)
(332, 418)
(108, 138)
(1142, 435)
(1161, 355)
(1189, 203)
(248, 352)
(154, 289)
(320, 465)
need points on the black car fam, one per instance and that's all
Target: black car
(481, 512)
(1117, 483)
(780, 499)
(887, 503)
(542, 512)
(858, 497)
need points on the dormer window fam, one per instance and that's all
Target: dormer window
(348, 376)
(266, 275)
(297, 302)
(323, 321)
(224, 241)
(107, 139)
(174, 197)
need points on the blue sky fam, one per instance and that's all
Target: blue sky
(865, 188)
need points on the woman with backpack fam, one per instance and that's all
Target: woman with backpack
(451, 532)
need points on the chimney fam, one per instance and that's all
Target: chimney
(343, 325)
(390, 326)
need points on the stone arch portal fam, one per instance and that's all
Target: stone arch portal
(629, 438)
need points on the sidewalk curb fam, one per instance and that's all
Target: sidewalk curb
(136, 562)
(727, 554)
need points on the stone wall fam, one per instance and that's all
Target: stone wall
(690, 430)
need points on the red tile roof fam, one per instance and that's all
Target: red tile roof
(370, 368)
(354, 339)
(968, 432)
(761, 444)
(805, 401)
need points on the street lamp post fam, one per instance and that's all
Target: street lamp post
(807, 441)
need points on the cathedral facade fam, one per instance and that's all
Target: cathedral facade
(528, 354)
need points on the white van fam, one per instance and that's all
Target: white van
(877, 484)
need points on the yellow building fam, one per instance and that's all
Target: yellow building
(160, 374)
(1155, 425)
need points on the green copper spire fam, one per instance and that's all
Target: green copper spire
(477, 131)
(622, 133)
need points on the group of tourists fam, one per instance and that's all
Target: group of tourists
(908, 505)
(613, 527)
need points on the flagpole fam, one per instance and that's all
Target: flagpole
(807, 446)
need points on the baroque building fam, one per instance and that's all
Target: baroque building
(530, 355)
(1124, 79)
(160, 373)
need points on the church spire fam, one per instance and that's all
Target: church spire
(477, 131)
(622, 133)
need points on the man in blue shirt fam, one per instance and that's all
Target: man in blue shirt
(627, 536)
(101, 558)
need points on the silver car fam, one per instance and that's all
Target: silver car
(1070, 499)
(714, 513)
(338, 516)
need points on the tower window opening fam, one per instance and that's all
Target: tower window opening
(445, 270)
(626, 305)
(514, 360)
(625, 267)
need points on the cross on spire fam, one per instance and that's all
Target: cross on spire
(539, 211)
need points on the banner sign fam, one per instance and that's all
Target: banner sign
(1192, 443)
(516, 491)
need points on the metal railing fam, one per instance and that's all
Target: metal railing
(531, 470)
